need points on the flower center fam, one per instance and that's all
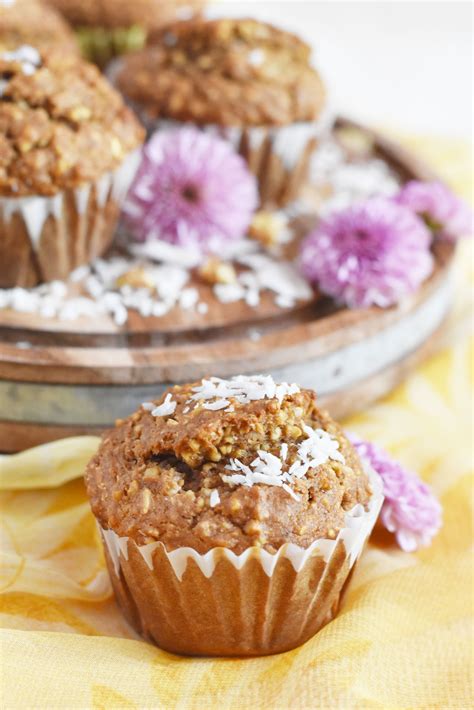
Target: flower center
(431, 223)
(190, 193)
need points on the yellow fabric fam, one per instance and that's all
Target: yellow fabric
(402, 638)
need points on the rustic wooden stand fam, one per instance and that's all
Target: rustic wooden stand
(63, 378)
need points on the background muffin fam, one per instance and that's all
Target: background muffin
(254, 484)
(112, 27)
(31, 22)
(247, 80)
(68, 151)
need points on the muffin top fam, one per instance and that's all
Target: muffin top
(30, 22)
(61, 123)
(227, 72)
(114, 14)
(227, 463)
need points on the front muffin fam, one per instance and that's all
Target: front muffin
(232, 512)
(112, 27)
(244, 79)
(68, 152)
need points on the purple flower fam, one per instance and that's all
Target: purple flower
(372, 253)
(191, 189)
(410, 509)
(447, 215)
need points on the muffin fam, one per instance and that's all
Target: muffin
(30, 22)
(68, 152)
(112, 27)
(243, 79)
(232, 512)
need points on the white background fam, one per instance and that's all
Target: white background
(406, 65)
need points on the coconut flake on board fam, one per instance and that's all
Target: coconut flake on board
(106, 287)
(349, 182)
(116, 285)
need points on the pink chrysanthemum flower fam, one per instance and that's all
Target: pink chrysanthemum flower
(372, 253)
(410, 509)
(445, 213)
(191, 189)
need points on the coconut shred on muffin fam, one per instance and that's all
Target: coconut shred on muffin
(112, 27)
(232, 512)
(67, 155)
(246, 79)
(31, 22)
(231, 464)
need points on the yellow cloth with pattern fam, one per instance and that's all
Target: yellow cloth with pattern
(402, 638)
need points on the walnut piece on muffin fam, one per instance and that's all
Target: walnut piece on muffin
(32, 22)
(227, 463)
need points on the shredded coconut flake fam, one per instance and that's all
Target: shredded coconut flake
(218, 404)
(318, 448)
(28, 58)
(188, 298)
(214, 498)
(290, 491)
(105, 291)
(351, 182)
(256, 57)
(158, 250)
(148, 406)
(166, 408)
(241, 388)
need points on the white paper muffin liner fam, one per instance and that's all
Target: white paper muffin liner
(272, 602)
(45, 238)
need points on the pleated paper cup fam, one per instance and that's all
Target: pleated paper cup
(278, 156)
(46, 238)
(222, 604)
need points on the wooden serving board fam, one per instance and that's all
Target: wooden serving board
(78, 376)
